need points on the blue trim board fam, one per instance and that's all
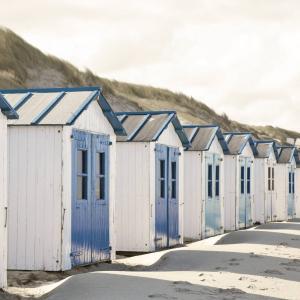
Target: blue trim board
(179, 129)
(137, 130)
(48, 108)
(7, 109)
(51, 90)
(163, 127)
(130, 113)
(82, 107)
(111, 116)
(22, 101)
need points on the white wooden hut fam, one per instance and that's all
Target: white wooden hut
(265, 189)
(239, 180)
(297, 185)
(285, 183)
(204, 182)
(7, 112)
(149, 200)
(61, 187)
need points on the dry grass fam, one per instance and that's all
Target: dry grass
(22, 65)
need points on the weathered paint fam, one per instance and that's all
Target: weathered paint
(40, 164)
(239, 208)
(3, 201)
(136, 193)
(203, 215)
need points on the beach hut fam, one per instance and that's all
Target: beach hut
(61, 187)
(149, 195)
(285, 183)
(239, 180)
(297, 184)
(204, 182)
(7, 112)
(265, 190)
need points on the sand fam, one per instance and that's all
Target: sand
(258, 263)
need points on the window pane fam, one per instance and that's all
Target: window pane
(209, 172)
(162, 189)
(100, 188)
(217, 187)
(102, 163)
(162, 169)
(173, 166)
(269, 172)
(173, 189)
(81, 161)
(273, 185)
(248, 173)
(248, 186)
(242, 173)
(81, 187)
(209, 189)
(217, 172)
(242, 186)
(269, 184)
(290, 177)
(273, 173)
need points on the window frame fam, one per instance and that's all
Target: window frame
(83, 175)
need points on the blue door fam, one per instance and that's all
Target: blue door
(161, 199)
(173, 204)
(291, 194)
(100, 196)
(212, 203)
(90, 211)
(166, 200)
(248, 213)
(242, 198)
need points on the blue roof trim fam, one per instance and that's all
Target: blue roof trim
(137, 130)
(163, 127)
(82, 107)
(173, 118)
(22, 101)
(48, 108)
(130, 113)
(217, 133)
(293, 154)
(7, 109)
(51, 90)
(249, 139)
(274, 146)
(111, 115)
(122, 119)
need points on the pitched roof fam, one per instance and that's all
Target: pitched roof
(202, 136)
(237, 141)
(286, 154)
(147, 126)
(7, 109)
(57, 106)
(265, 148)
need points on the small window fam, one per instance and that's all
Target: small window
(209, 182)
(269, 179)
(242, 180)
(273, 180)
(162, 172)
(173, 170)
(173, 179)
(293, 183)
(217, 181)
(100, 176)
(82, 187)
(82, 176)
(81, 161)
(290, 182)
(248, 180)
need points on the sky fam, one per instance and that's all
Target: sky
(240, 57)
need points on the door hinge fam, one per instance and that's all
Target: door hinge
(75, 253)
(157, 239)
(110, 143)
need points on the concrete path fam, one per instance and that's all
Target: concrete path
(260, 263)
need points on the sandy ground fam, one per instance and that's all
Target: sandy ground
(258, 263)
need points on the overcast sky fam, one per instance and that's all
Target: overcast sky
(241, 57)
